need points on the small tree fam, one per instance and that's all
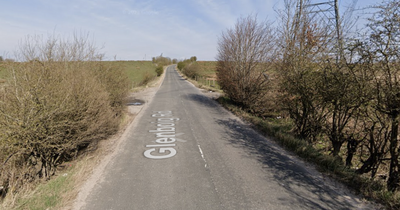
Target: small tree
(382, 52)
(245, 54)
(303, 46)
(343, 91)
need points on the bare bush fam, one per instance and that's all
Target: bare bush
(114, 80)
(59, 99)
(302, 48)
(347, 93)
(381, 56)
(245, 54)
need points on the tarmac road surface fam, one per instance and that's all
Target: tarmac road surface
(187, 152)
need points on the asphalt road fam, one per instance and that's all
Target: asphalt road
(186, 152)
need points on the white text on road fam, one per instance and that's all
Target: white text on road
(165, 134)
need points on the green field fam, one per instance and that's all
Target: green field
(207, 68)
(207, 74)
(136, 71)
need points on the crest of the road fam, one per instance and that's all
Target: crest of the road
(186, 152)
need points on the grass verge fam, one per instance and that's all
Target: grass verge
(48, 195)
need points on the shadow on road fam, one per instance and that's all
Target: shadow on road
(203, 100)
(310, 192)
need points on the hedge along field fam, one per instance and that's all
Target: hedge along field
(58, 99)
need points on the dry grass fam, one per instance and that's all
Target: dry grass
(3, 72)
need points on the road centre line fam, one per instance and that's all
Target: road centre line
(202, 156)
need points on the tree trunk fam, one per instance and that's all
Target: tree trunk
(336, 144)
(351, 150)
(394, 176)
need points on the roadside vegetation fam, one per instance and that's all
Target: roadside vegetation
(200, 72)
(334, 103)
(58, 99)
(330, 97)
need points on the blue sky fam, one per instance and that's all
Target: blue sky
(134, 29)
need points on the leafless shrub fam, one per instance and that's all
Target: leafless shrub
(115, 81)
(302, 46)
(60, 98)
(348, 92)
(381, 56)
(245, 54)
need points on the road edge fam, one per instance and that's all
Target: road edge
(96, 173)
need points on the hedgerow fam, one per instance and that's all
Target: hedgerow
(58, 99)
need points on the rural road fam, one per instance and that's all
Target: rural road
(187, 152)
